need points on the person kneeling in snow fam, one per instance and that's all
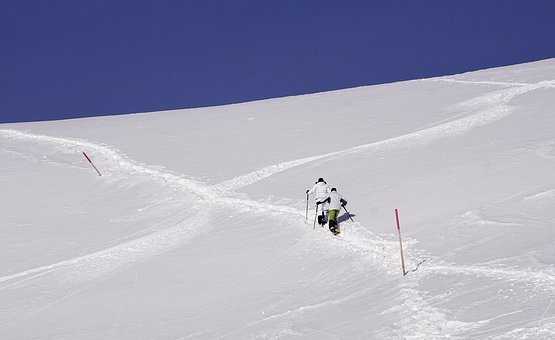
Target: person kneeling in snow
(335, 202)
(320, 190)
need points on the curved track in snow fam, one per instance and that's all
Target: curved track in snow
(487, 109)
(104, 261)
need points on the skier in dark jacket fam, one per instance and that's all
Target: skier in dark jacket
(335, 202)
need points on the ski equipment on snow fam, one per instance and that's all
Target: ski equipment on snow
(348, 213)
(306, 214)
(315, 217)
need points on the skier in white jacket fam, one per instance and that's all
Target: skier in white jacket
(320, 190)
(335, 202)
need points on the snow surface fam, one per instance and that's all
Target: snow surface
(196, 230)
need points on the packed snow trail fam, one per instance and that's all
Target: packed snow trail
(101, 262)
(488, 109)
(116, 162)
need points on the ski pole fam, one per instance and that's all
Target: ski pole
(400, 242)
(348, 213)
(315, 217)
(306, 214)
(87, 157)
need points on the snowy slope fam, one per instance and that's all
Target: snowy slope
(196, 230)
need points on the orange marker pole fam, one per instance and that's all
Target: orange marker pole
(400, 242)
(87, 157)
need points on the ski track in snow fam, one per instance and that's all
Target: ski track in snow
(490, 108)
(538, 279)
(111, 156)
(487, 109)
(101, 262)
(108, 259)
(540, 195)
(295, 312)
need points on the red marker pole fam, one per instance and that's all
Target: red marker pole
(87, 157)
(400, 242)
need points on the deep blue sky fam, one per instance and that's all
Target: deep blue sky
(62, 59)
